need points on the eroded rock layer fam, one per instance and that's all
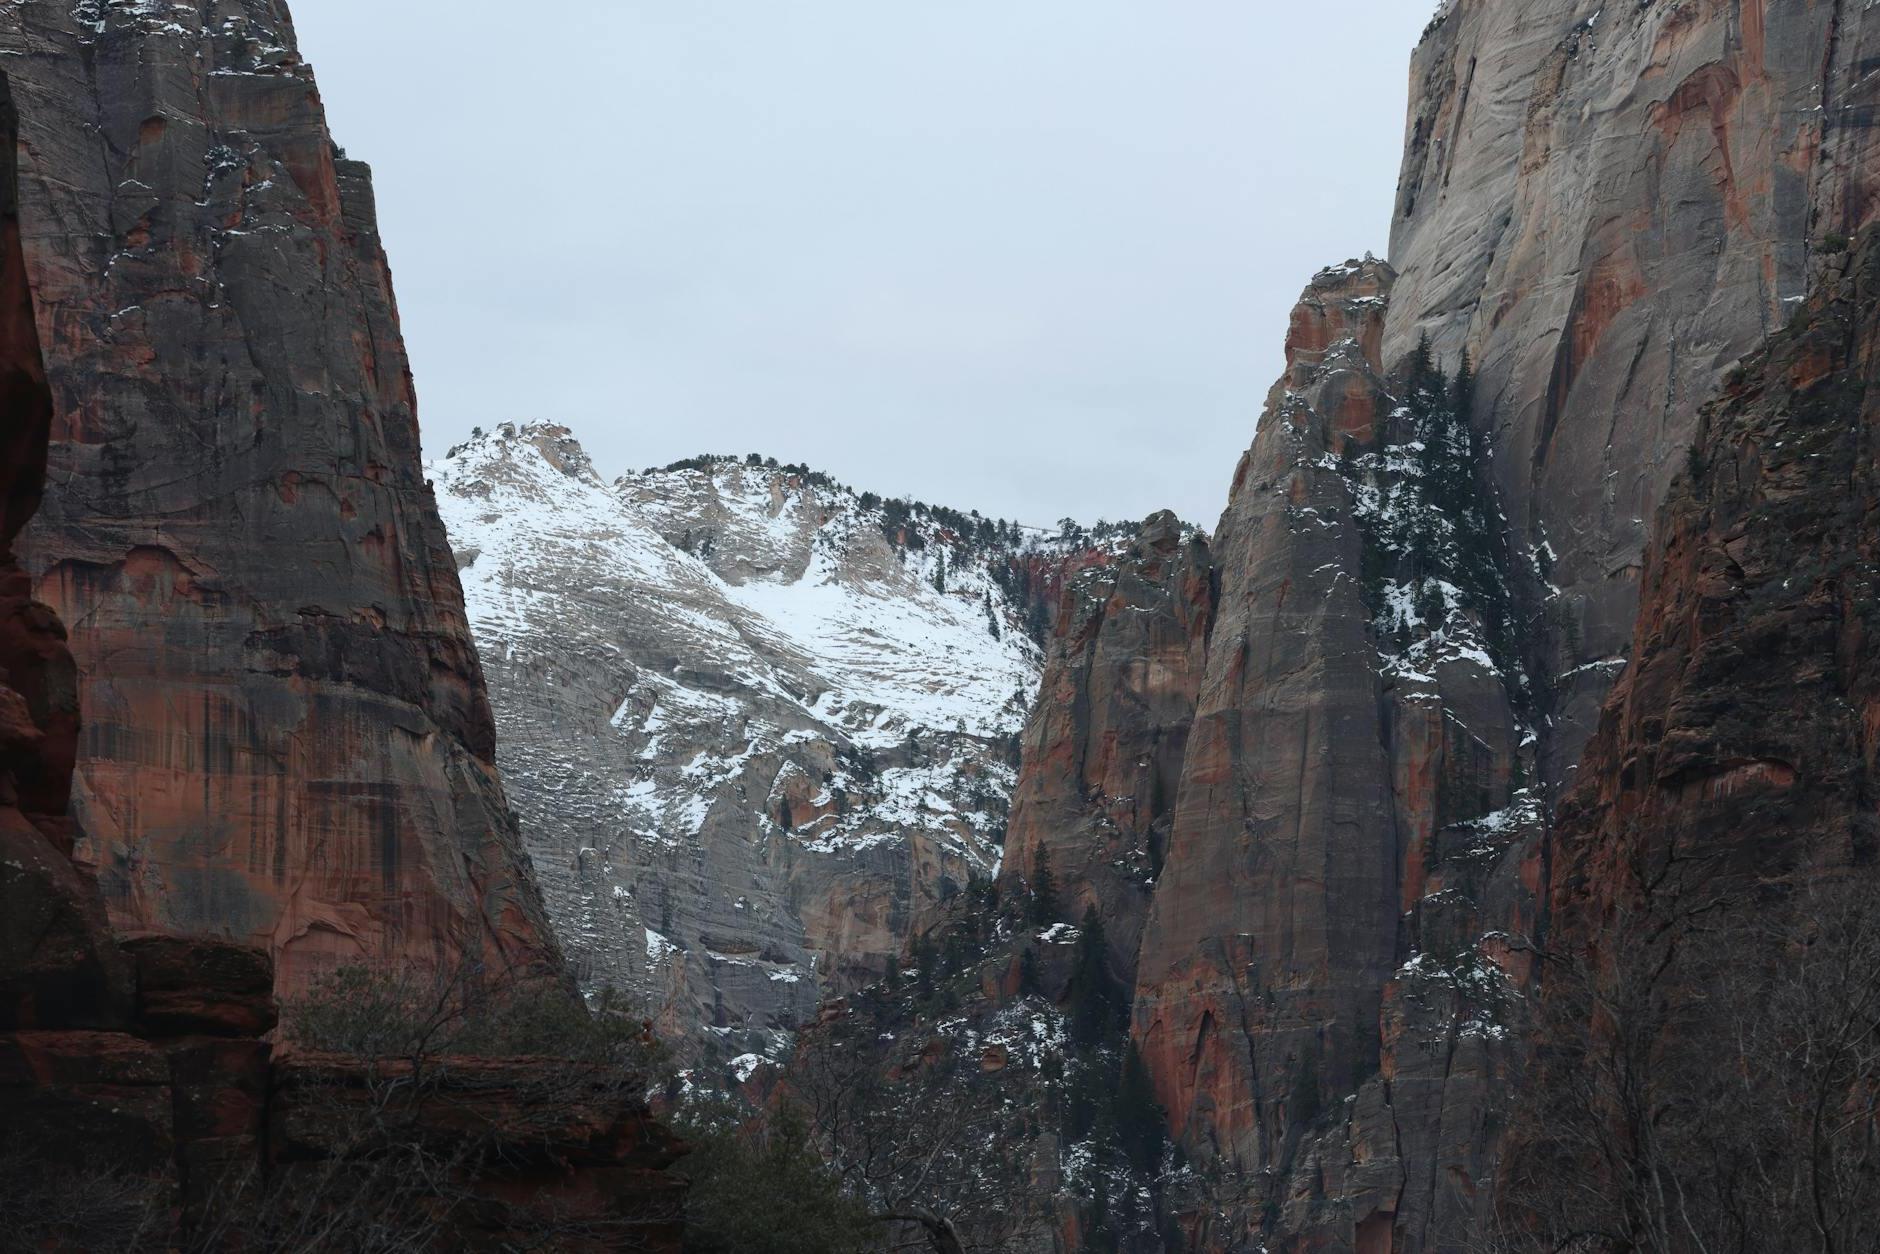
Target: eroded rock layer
(1602, 209)
(1607, 205)
(759, 727)
(1742, 737)
(1320, 993)
(1702, 1033)
(286, 737)
(1103, 751)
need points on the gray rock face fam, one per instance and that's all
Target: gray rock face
(755, 735)
(1319, 982)
(286, 736)
(1606, 206)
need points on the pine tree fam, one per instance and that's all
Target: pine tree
(1044, 904)
(1422, 361)
(1028, 973)
(1141, 1126)
(992, 618)
(1094, 999)
(923, 964)
(940, 573)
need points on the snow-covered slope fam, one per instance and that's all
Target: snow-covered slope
(756, 726)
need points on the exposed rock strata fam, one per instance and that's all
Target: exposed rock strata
(1319, 988)
(286, 738)
(136, 1080)
(1604, 207)
(1742, 737)
(759, 728)
(1607, 205)
(1712, 935)
(58, 968)
(1103, 751)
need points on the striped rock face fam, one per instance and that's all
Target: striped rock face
(286, 736)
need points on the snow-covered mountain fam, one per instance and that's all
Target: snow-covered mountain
(756, 726)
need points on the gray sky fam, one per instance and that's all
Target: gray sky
(1031, 257)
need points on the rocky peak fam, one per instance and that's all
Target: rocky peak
(1318, 990)
(758, 726)
(1339, 320)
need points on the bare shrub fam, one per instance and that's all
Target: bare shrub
(1709, 1082)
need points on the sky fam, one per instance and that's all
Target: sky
(1029, 257)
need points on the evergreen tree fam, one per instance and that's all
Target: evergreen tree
(1095, 1001)
(992, 618)
(1028, 972)
(1141, 1126)
(1044, 903)
(940, 573)
(923, 967)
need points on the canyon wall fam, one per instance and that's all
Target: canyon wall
(286, 738)
(1324, 981)
(1713, 909)
(1602, 209)
(1606, 206)
(1103, 751)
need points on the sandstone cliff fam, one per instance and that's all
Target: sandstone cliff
(1602, 209)
(286, 737)
(1321, 990)
(141, 1103)
(1713, 938)
(1607, 206)
(1103, 751)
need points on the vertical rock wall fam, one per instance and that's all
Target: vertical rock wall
(1607, 205)
(286, 734)
(1320, 987)
(1604, 207)
(1103, 752)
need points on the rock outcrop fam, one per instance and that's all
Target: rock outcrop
(1713, 936)
(1602, 209)
(58, 967)
(141, 1103)
(286, 736)
(1742, 738)
(758, 727)
(1607, 206)
(1103, 751)
(1320, 985)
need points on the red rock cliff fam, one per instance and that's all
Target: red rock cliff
(1712, 894)
(1604, 207)
(286, 737)
(1103, 751)
(1318, 988)
(58, 966)
(1607, 205)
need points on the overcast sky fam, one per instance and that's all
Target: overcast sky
(1031, 257)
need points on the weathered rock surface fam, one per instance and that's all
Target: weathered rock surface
(1317, 988)
(286, 737)
(58, 967)
(1604, 208)
(758, 728)
(135, 1091)
(1607, 206)
(1711, 938)
(1103, 751)
(1742, 737)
